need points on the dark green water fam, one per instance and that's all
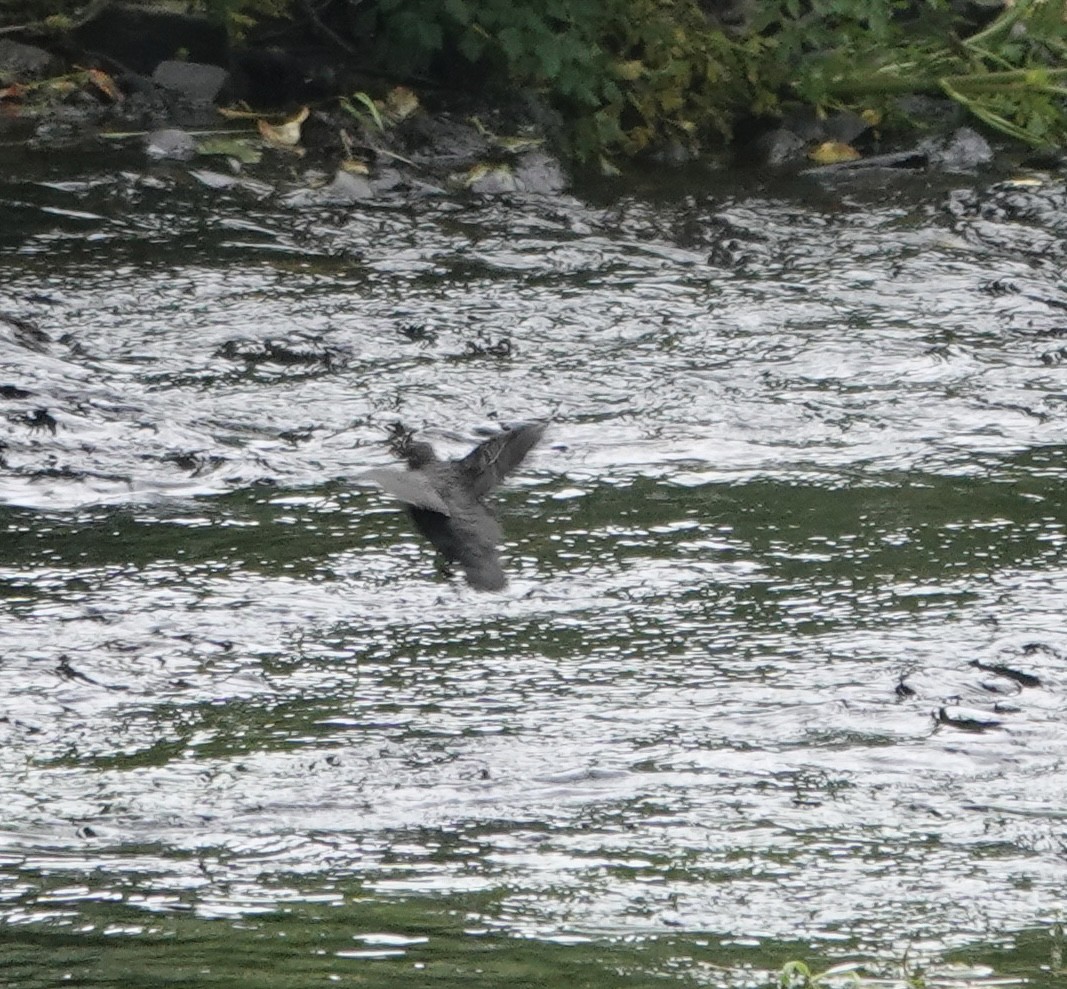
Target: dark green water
(805, 469)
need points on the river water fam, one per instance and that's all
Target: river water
(805, 468)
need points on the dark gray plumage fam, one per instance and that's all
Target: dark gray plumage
(445, 499)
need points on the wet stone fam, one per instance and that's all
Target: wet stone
(495, 181)
(170, 143)
(195, 80)
(778, 147)
(964, 151)
(348, 187)
(540, 173)
(19, 62)
(443, 140)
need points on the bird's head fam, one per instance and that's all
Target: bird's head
(419, 455)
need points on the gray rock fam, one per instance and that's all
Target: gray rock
(778, 147)
(442, 140)
(813, 127)
(445, 499)
(844, 126)
(538, 172)
(348, 187)
(345, 190)
(805, 123)
(934, 113)
(964, 151)
(170, 143)
(196, 81)
(213, 179)
(387, 180)
(496, 180)
(19, 62)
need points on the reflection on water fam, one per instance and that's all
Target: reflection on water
(805, 470)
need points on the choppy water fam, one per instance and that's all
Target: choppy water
(806, 466)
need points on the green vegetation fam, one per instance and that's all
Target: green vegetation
(853, 52)
(629, 75)
(626, 76)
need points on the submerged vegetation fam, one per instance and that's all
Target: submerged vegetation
(625, 76)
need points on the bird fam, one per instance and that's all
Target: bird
(445, 498)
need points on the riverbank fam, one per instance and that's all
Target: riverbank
(183, 86)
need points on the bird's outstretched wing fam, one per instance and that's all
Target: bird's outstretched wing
(409, 486)
(490, 462)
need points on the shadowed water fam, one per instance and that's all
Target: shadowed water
(806, 466)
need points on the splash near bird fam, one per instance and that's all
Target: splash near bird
(445, 498)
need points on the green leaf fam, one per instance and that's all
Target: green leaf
(458, 11)
(471, 45)
(512, 42)
(369, 104)
(239, 148)
(549, 57)
(431, 35)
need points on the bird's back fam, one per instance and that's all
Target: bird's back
(469, 534)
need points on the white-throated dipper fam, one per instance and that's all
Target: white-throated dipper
(445, 498)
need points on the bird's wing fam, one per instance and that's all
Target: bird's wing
(490, 462)
(411, 487)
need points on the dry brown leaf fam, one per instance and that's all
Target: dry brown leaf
(287, 133)
(102, 81)
(832, 152)
(235, 113)
(400, 103)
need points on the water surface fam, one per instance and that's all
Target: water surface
(806, 467)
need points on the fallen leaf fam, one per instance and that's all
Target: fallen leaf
(235, 113)
(238, 148)
(102, 81)
(487, 178)
(355, 167)
(474, 173)
(1024, 181)
(287, 133)
(400, 103)
(832, 152)
(518, 144)
(608, 168)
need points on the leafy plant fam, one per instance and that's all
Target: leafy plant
(626, 76)
(368, 105)
(1007, 73)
